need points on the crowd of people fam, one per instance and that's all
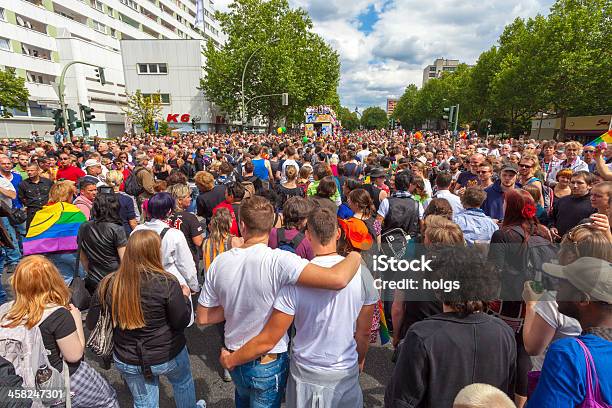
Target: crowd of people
(272, 239)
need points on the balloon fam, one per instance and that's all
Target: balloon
(284, 129)
(279, 130)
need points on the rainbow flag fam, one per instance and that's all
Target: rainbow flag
(606, 137)
(383, 330)
(54, 228)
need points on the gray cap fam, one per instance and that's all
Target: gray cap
(510, 167)
(589, 275)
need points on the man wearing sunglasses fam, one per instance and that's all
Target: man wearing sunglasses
(67, 170)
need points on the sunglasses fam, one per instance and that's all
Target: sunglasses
(525, 166)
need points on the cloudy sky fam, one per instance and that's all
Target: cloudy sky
(385, 44)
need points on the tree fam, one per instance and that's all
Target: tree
(575, 67)
(164, 129)
(287, 56)
(405, 110)
(143, 110)
(349, 119)
(13, 93)
(374, 118)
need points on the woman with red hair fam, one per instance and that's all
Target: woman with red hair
(509, 250)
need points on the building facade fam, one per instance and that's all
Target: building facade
(580, 128)
(39, 37)
(175, 78)
(439, 66)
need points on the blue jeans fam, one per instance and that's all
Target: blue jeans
(12, 256)
(146, 392)
(66, 262)
(261, 385)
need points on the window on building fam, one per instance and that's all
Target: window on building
(2, 18)
(113, 33)
(109, 11)
(432, 74)
(164, 98)
(5, 44)
(130, 3)
(99, 27)
(432, 68)
(152, 68)
(97, 5)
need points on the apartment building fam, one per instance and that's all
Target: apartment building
(39, 37)
(439, 66)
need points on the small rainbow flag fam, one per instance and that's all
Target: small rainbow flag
(606, 137)
(54, 228)
(383, 330)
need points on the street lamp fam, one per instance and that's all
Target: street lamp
(274, 40)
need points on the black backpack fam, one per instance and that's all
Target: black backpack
(132, 185)
(288, 245)
(538, 251)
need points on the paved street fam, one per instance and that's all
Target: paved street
(204, 349)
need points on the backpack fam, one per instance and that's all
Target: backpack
(288, 245)
(539, 251)
(25, 350)
(132, 185)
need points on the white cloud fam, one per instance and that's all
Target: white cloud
(408, 35)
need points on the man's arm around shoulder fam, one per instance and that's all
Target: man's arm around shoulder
(334, 278)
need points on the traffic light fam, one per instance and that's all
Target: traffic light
(72, 119)
(285, 99)
(446, 110)
(58, 119)
(100, 75)
(87, 113)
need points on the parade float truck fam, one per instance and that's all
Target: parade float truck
(320, 121)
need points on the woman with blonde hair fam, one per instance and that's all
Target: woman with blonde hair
(128, 209)
(54, 230)
(150, 310)
(479, 395)
(219, 240)
(42, 299)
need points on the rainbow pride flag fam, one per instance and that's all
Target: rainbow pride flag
(383, 329)
(606, 137)
(54, 228)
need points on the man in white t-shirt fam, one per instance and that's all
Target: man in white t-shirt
(332, 329)
(240, 288)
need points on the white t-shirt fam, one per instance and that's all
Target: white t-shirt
(7, 185)
(325, 320)
(245, 281)
(383, 209)
(564, 326)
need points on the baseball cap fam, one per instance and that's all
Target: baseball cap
(510, 167)
(377, 172)
(91, 163)
(589, 275)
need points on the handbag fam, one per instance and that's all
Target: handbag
(16, 216)
(80, 295)
(101, 338)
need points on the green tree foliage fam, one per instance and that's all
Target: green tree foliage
(559, 64)
(374, 118)
(164, 129)
(299, 62)
(143, 110)
(349, 119)
(405, 110)
(13, 93)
